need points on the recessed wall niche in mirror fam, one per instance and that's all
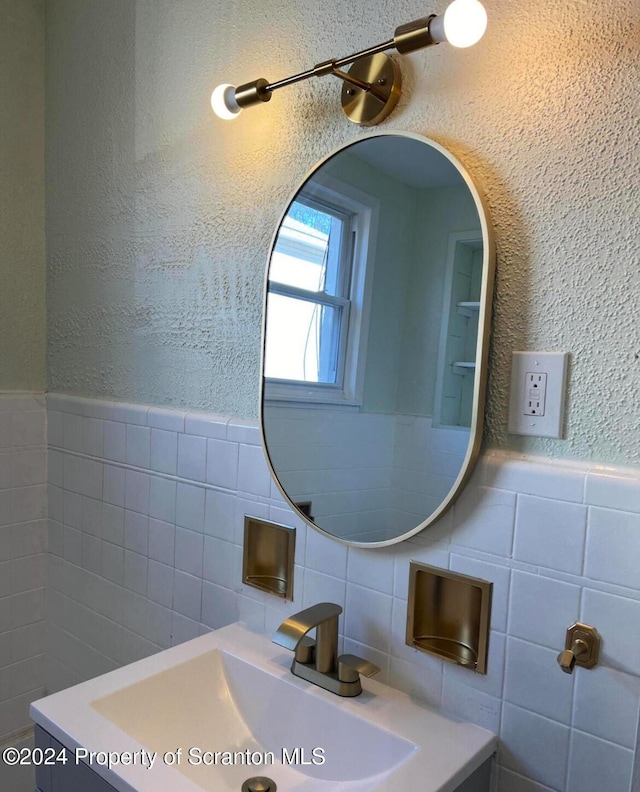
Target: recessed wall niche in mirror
(378, 300)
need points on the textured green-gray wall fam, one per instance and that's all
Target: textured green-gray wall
(160, 216)
(22, 256)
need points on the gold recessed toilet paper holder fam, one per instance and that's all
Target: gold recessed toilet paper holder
(268, 556)
(448, 615)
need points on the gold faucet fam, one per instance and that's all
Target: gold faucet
(317, 661)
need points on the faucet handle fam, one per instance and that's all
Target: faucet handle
(305, 651)
(350, 667)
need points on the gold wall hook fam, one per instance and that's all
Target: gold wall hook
(582, 647)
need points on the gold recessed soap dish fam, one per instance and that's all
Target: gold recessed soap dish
(267, 558)
(448, 615)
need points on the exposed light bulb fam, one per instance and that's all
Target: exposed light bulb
(223, 102)
(464, 22)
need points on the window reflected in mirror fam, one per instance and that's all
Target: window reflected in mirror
(308, 295)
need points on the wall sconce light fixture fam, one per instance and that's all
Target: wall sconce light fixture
(371, 87)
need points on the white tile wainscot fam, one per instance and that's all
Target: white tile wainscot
(23, 537)
(146, 510)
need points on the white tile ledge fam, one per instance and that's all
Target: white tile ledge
(205, 424)
(21, 400)
(247, 430)
(500, 457)
(494, 457)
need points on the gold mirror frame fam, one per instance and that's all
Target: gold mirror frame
(482, 346)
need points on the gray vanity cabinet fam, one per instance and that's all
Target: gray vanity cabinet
(68, 777)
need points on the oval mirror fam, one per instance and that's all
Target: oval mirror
(377, 313)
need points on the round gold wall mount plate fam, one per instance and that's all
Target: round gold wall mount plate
(369, 108)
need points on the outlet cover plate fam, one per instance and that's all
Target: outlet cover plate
(554, 365)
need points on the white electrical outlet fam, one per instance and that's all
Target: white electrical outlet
(536, 404)
(535, 393)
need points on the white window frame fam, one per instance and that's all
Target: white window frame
(364, 210)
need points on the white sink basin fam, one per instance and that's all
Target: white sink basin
(229, 696)
(240, 707)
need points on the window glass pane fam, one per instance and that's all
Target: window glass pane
(307, 250)
(302, 340)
